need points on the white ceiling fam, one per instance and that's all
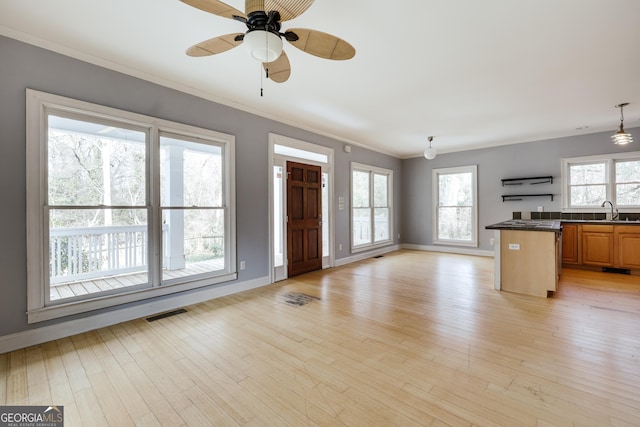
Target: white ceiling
(473, 73)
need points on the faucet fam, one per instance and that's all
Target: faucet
(613, 217)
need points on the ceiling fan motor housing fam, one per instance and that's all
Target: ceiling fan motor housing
(263, 40)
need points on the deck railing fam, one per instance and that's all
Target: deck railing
(89, 252)
(85, 253)
(362, 229)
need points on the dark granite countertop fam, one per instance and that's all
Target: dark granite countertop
(599, 221)
(527, 225)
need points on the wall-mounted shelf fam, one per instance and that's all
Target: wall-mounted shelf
(516, 197)
(533, 180)
(520, 181)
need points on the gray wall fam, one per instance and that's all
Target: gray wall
(24, 66)
(540, 158)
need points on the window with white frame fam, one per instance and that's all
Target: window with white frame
(371, 207)
(455, 206)
(588, 181)
(122, 207)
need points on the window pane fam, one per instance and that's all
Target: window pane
(588, 174)
(300, 154)
(91, 164)
(588, 195)
(361, 226)
(190, 173)
(96, 250)
(380, 189)
(628, 171)
(455, 223)
(325, 215)
(455, 189)
(193, 242)
(628, 194)
(361, 189)
(278, 220)
(381, 224)
(628, 183)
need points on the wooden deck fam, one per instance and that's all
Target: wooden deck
(409, 339)
(86, 287)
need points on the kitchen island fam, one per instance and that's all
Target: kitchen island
(527, 256)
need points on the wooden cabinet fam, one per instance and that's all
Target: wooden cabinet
(597, 245)
(601, 245)
(571, 245)
(627, 239)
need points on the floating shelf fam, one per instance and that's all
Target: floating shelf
(515, 197)
(520, 181)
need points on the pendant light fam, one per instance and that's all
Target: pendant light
(430, 153)
(621, 137)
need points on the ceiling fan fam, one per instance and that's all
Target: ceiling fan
(263, 38)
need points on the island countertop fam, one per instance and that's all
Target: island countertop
(527, 225)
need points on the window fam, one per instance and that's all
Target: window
(122, 207)
(588, 181)
(455, 206)
(371, 208)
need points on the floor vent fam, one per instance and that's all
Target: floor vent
(298, 299)
(616, 270)
(167, 314)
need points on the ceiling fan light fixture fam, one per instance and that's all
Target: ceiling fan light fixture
(430, 153)
(621, 137)
(263, 46)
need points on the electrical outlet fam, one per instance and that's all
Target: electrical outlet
(340, 246)
(540, 208)
(242, 265)
(492, 241)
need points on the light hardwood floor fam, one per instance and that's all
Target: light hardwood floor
(409, 339)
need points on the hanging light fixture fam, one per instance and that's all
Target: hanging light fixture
(621, 137)
(430, 153)
(263, 46)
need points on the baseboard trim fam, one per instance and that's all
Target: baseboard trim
(65, 329)
(365, 255)
(449, 249)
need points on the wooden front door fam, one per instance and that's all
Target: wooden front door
(304, 218)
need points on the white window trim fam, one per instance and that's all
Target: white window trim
(435, 198)
(37, 105)
(382, 171)
(609, 160)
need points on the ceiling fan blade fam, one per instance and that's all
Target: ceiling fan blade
(279, 70)
(216, 7)
(215, 45)
(253, 6)
(322, 44)
(288, 9)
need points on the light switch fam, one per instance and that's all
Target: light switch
(514, 246)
